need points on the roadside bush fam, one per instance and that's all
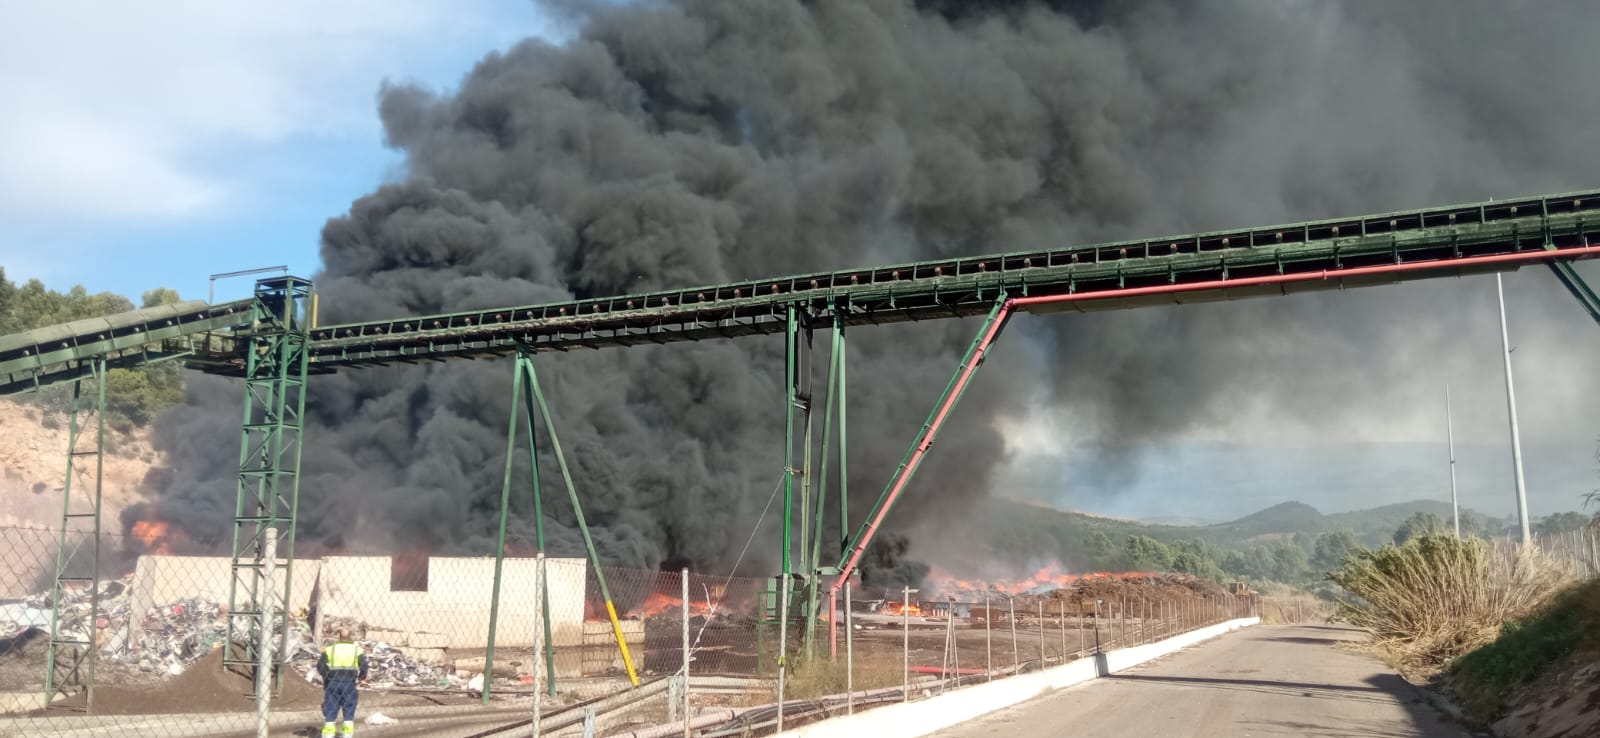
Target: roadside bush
(1438, 597)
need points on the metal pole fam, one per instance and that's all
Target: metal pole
(849, 654)
(544, 594)
(500, 542)
(905, 648)
(1016, 652)
(988, 637)
(1450, 435)
(1511, 408)
(583, 526)
(1041, 633)
(814, 580)
(783, 636)
(1097, 626)
(529, 413)
(949, 635)
(959, 382)
(1082, 647)
(1063, 630)
(684, 577)
(269, 562)
(789, 350)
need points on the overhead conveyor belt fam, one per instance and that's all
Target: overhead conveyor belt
(1222, 265)
(62, 353)
(967, 286)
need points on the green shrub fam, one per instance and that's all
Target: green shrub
(1438, 597)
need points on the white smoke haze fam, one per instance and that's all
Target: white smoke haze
(678, 143)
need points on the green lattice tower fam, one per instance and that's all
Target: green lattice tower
(71, 658)
(269, 462)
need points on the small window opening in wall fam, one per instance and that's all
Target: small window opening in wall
(408, 572)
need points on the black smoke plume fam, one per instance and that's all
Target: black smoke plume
(679, 143)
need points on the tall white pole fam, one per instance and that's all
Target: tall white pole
(1450, 433)
(269, 559)
(683, 579)
(905, 649)
(849, 654)
(540, 581)
(1511, 406)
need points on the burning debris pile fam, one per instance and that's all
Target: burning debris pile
(1050, 586)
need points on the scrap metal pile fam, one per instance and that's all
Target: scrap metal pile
(172, 636)
(387, 665)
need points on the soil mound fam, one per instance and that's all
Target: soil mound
(203, 687)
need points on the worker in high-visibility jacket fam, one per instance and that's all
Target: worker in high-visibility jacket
(342, 666)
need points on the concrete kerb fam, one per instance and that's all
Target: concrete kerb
(912, 719)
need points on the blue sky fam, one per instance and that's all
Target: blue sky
(152, 144)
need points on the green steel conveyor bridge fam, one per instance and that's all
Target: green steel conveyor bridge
(273, 342)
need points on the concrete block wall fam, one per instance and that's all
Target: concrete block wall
(453, 612)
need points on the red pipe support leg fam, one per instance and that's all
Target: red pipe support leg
(924, 442)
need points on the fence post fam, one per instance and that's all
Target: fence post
(683, 578)
(949, 636)
(783, 634)
(988, 639)
(1097, 625)
(1016, 653)
(905, 648)
(1081, 645)
(849, 654)
(1063, 630)
(1042, 659)
(264, 649)
(538, 636)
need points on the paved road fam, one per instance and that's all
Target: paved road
(1260, 681)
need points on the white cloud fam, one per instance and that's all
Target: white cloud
(130, 109)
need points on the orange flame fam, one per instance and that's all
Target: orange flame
(891, 607)
(155, 535)
(664, 604)
(1045, 579)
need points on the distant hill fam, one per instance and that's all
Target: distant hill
(1285, 518)
(1027, 531)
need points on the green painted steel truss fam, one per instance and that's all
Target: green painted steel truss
(72, 653)
(269, 466)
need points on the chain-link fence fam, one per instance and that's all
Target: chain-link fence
(1577, 549)
(582, 651)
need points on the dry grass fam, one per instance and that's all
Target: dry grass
(1294, 609)
(822, 677)
(1439, 597)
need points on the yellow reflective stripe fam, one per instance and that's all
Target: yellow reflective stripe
(343, 656)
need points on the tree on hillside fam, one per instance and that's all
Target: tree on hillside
(1289, 562)
(1418, 525)
(1145, 552)
(133, 396)
(1563, 522)
(1331, 548)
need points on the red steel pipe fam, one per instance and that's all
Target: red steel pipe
(1317, 276)
(1015, 303)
